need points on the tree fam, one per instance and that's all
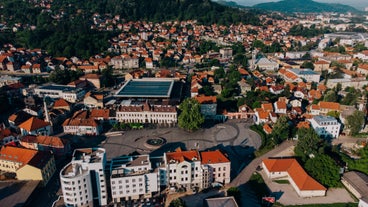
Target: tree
(307, 64)
(177, 203)
(331, 96)
(308, 142)
(190, 117)
(355, 122)
(235, 192)
(334, 114)
(324, 170)
(280, 131)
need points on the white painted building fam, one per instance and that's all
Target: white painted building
(132, 178)
(145, 113)
(306, 74)
(303, 184)
(325, 126)
(84, 171)
(69, 93)
(218, 165)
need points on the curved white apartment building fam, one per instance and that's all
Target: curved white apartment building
(83, 181)
(76, 185)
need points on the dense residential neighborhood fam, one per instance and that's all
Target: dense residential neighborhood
(265, 111)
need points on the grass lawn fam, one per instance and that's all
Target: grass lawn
(282, 181)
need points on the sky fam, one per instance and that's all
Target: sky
(359, 4)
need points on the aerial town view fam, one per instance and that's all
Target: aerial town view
(183, 103)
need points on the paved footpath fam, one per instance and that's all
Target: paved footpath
(247, 172)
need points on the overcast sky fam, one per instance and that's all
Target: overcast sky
(359, 4)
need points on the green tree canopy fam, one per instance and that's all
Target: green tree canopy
(308, 143)
(355, 122)
(177, 203)
(324, 170)
(190, 117)
(281, 129)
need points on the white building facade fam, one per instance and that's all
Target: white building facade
(132, 178)
(326, 126)
(77, 178)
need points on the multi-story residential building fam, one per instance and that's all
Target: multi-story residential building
(28, 164)
(93, 100)
(184, 169)
(218, 165)
(208, 104)
(69, 93)
(146, 113)
(83, 179)
(7, 136)
(132, 178)
(326, 126)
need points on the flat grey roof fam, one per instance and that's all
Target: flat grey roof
(146, 88)
(221, 202)
(58, 88)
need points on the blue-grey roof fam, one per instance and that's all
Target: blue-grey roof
(320, 118)
(305, 71)
(58, 88)
(149, 88)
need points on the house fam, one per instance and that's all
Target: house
(321, 65)
(362, 69)
(357, 184)
(58, 146)
(7, 136)
(218, 165)
(325, 126)
(208, 104)
(94, 100)
(82, 124)
(18, 118)
(93, 79)
(267, 129)
(35, 126)
(290, 169)
(326, 107)
(261, 116)
(280, 107)
(27, 164)
(61, 104)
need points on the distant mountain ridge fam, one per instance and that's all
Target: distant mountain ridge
(305, 6)
(230, 4)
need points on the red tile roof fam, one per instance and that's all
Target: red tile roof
(61, 103)
(329, 105)
(302, 180)
(206, 99)
(33, 123)
(213, 157)
(181, 156)
(25, 156)
(44, 140)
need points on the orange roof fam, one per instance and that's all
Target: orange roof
(213, 157)
(302, 180)
(320, 62)
(206, 99)
(263, 114)
(281, 104)
(267, 107)
(96, 113)
(329, 105)
(16, 154)
(44, 140)
(61, 103)
(181, 156)
(90, 76)
(267, 129)
(33, 123)
(363, 66)
(303, 124)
